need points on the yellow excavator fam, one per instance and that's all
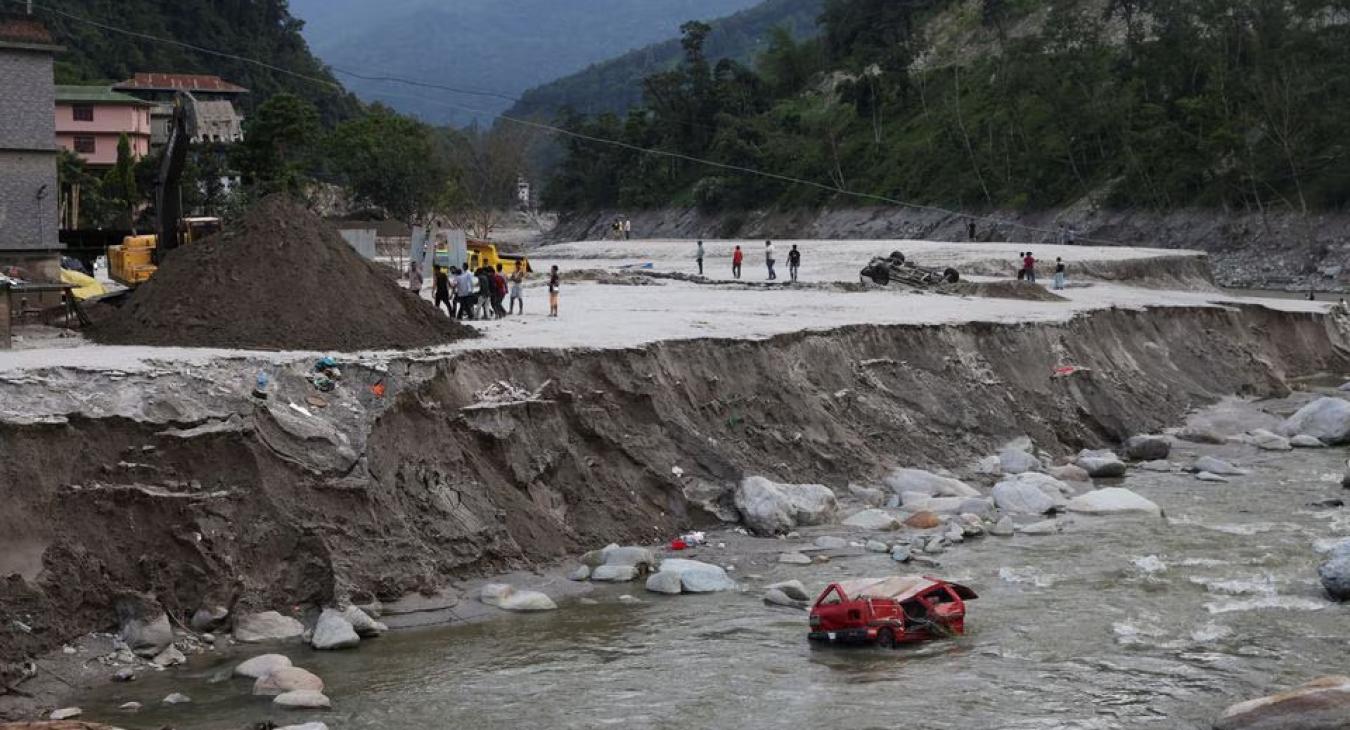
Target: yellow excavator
(137, 259)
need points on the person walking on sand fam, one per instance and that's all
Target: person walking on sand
(464, 292)
(794, 263)
(769, 260)
(737, 258)
(1059, 274)
(442, 291)
(1029, 265)
(1021, 265)
(498, 292)
(484, 293)
(517, 289)
(970, 230)
(699, 257)
(554, 283)
(627, 229)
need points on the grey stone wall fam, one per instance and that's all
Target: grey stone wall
(25, 220)
(28, 101)
(27, 150)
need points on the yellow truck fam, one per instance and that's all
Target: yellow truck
(483, 253)
(133, 263)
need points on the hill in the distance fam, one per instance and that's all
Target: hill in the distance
(616, 85)
(498, 46)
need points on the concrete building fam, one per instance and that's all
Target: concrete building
(91, 119)
(28, 190)
(216, 118)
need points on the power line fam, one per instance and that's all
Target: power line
(555, 129)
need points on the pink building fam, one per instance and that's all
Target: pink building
(90, 119)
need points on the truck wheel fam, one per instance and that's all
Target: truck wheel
(886, 639)
(897, 257)
(951, 276)
(880, 275)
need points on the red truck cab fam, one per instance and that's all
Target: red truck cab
(889, 611)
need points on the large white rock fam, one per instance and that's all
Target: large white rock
(262, 665)
(302, 699)
(873, 519)
(1111, 501)
(697, 577)
(143, 624)
(667, 583)
(614, 573)
(1015, 461)
(266, 626)
(940, 505)
(287, 679)
(1322, 704)
(526, 601)
(794, 559)
(918, 480)
(1268, 441)
(65, 713)
(1102, 464)
(1217, 466)
(792, 589)
(1069, 473)
(494, 593)
(334, 631)
(770, 508)
(1305, 441)
(1328, 419)
(1025, 494)
(365, 626)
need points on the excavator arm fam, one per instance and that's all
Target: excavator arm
(168, 200)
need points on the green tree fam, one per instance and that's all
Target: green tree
(119, 185)
(280, 145)
(390, 161)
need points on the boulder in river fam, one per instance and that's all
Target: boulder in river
(670, 583)
(1269, 441)
(1069, 473)
(261, 665)
(1113, 501)
(583, 572)
(901, 481)
(793, 589)
(1206, 476)
(365, 626)
(1003, 528)
(770, 508)
(698, 577)
(1322, 704)
(640, 558)
(1045, 527)
(1217, 466)
(794, 559)
(776, 597)
(302, 699)
(266, 626)
(494, 593)
(170, 657)
(1148, 448)
(829, 542)
(1101, 464)
(287, 679)
(209, 618)
(334, 631)
(1306, 441)
(875, 520)
(1015, 461)
(176, 698)
(923, 520)
(877, 546)
(868, 495)
(527, 601)
(1327, 419)
(143, 624)
(614, 573)
(65, 713)
(1335, 574)
(1023, 495)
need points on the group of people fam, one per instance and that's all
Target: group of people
(1027, 272)
(480, 294)
(621, 229)
(738, 260)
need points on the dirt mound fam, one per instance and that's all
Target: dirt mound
(283, 279)
(1023, 290)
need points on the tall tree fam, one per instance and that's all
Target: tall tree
(280, 144)
(119, 185)
(391, 162)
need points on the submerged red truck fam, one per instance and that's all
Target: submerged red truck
(889, 611)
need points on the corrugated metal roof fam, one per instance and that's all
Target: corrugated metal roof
(179, 82)
(94, 95)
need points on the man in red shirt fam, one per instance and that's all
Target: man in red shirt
(737, 257)
(1029, 266)
(498, 292)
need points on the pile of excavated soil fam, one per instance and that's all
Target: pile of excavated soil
(283, 279)
(1023, 290)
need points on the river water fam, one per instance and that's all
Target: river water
(1115, 623)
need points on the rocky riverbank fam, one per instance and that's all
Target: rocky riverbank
(1279, 251)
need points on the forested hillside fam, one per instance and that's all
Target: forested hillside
(259, 29)
(1132, 103)
(494, 46)
(616, 85)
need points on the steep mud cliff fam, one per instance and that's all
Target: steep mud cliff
(177, 482)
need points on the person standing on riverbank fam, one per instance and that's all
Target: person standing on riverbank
(464, 292)
(1059, 274)
(737, 258)
(698, 256)
(794, 263)
(442, 291)
(769, 260)
(517, 289)
(1029, 267)
(1021, 265)
(554, 283)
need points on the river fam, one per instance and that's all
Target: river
(1114, 623)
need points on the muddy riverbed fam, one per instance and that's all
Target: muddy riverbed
(1113, 623)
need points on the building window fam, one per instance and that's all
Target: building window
(83, 112)
(84, 144)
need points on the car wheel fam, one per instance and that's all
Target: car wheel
(951, 275)
(880, 275)
(886, 639)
